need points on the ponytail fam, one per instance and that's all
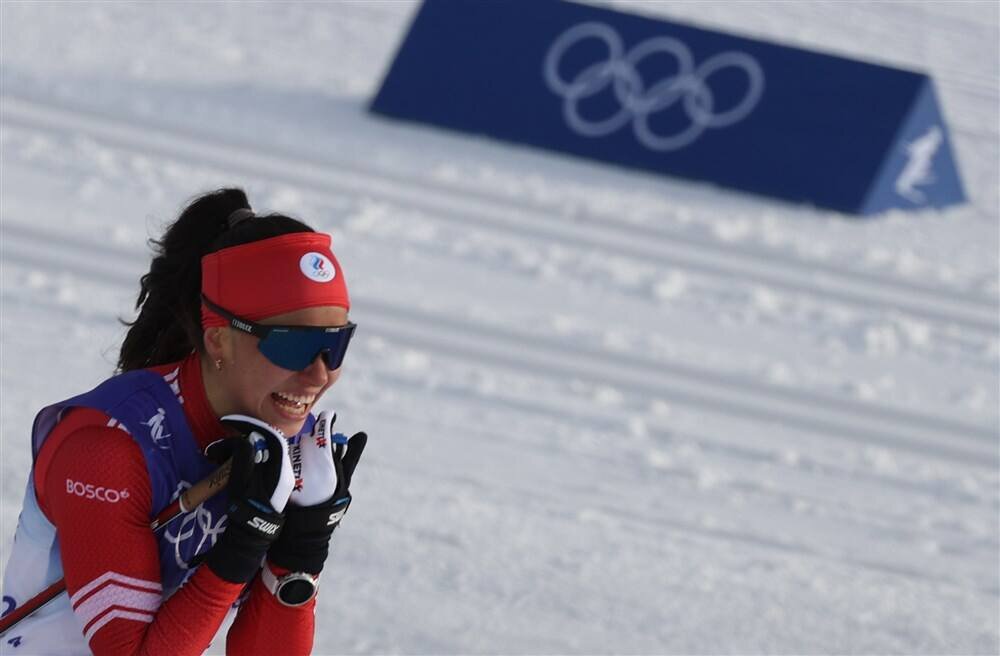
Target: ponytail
(168, 327)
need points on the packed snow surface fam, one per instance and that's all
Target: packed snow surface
(608, 412)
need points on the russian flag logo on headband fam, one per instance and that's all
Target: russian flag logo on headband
(317, 267)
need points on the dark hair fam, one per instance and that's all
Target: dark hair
(168, 327)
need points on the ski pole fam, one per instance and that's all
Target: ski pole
(189, 499)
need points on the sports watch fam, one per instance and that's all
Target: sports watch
(292, 589)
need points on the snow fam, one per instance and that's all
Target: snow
(609, 412)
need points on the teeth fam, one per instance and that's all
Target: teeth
(297, 400)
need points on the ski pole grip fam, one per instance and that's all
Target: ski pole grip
(206, 488)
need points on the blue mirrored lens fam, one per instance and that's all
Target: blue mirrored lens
(297, 348)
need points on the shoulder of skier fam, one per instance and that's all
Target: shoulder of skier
(86, 462)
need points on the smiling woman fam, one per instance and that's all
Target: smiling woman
(288, 278)
(242, 328)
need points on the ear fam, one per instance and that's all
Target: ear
(215, 339)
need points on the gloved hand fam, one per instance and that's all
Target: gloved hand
(320, 498)
(259, 484)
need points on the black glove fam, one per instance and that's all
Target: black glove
(320, 497)
(259, 484)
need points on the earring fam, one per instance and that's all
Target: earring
(218, 364)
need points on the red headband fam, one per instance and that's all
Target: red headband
(272, 276)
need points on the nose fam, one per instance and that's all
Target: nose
(316, 373)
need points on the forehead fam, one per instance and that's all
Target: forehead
(325, 315)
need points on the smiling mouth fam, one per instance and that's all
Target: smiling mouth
(292, 405)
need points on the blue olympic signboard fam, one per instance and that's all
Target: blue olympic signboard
(676, 100)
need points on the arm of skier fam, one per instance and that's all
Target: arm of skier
(95, 488)
(264, 625)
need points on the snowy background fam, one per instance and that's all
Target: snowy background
(609, 412)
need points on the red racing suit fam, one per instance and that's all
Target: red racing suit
(111, 558)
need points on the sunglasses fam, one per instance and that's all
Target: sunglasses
(293, 347)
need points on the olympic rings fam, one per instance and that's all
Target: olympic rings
(637, 103)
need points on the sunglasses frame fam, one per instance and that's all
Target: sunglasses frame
(261, 332)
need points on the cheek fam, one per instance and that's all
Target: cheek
(258, 377)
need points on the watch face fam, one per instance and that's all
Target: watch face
(296, 592)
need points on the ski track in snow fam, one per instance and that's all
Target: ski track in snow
(611, 414)
(326, 178)
(545, 356)
(970, 329)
